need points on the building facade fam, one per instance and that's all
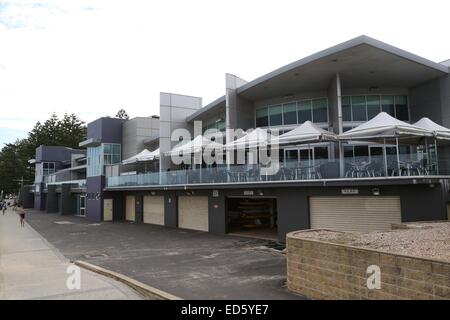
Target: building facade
(337, 89)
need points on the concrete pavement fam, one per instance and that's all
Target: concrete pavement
(186, 263)
(31, 268)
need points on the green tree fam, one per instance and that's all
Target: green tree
(122, 114)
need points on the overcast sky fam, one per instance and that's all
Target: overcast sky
(94, 57)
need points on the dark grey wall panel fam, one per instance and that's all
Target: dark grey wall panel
(423, 203)
(66, 200)
(420, 202)
(94, 199)
(55, 153)
(171, 209)
(139, 208)
(107, 130)
(292, 210)
(26, 197)
(52, 199)
(425, 101)
(217, 213)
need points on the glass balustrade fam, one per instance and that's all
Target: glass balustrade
(355, 167)
(76, 183)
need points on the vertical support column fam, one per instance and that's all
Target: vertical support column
(398, 158)
(94, 200)
(39, 197)
(170, 210)
(340, 124)
(52, 199)
(216, 212)
(139, 208)
(232, 82)
(66, 199)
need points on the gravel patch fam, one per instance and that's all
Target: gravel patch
(426, 240)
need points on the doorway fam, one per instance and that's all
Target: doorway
(252, 217)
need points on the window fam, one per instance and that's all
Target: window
(387, 105)
(94, 162)
(363, 108)
(221, 125)
(290, 113)
(320, 110)
(218, 124)
(401, 108)
(320, 153)
(293, 113)
(359, 108)
(304, 111)
(346, 109)
(111, 153)
(48, 168)
(275, 115)
(348, 152)
(262, 117)
(291, 156)
(373, 106)
(361, 151)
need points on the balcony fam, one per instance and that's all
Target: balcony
(76, 184)
(352, 169)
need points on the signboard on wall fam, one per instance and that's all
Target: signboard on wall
(350, 191)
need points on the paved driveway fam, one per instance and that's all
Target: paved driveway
(189, 264)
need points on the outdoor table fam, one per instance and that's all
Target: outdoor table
(359, 168)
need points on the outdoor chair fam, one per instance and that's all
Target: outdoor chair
(375, 169)
(254, 175)
(287, 174)
(232, 176)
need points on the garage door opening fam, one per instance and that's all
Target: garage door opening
(252, 217)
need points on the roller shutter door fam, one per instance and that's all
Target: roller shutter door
(193, 213)
(107, 209)
(154, 210)
(354, 213)
(130, 208)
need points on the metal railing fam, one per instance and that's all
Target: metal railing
(349, 168)
(76, 183)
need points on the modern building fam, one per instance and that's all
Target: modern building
(321, 184)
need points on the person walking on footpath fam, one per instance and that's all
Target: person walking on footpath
(4, 206)
(21, 212)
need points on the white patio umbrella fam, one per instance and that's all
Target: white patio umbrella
(384, 127)
(307, 132)
(194, 146)
(252, 139)
(440, 133)
(144, 155)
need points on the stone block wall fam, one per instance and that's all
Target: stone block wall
(322, 270)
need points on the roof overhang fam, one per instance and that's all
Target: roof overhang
(90, 143)
(208, 110)
(150, 140)
(361, 62)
